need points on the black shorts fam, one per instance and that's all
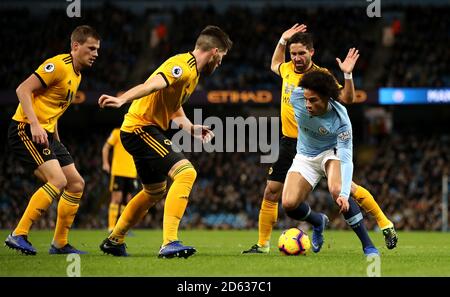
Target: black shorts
(288, 150)
(31, 154)
(123, 184)
(152, 153)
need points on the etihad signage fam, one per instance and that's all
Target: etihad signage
(235, 96)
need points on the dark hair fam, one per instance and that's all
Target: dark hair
(82, 33)
(213, 36)
(322, 83)
(303, 38)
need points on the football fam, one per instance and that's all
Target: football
(293, 242)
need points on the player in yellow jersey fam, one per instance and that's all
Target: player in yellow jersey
(123, 183)
(33, 137)
(155, 103)
(300, 46)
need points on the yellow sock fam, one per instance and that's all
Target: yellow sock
(267, 218)
(136, 209)
(67, 209)
(113, 214)
(177, 200)
(368, 203)
(39, 203)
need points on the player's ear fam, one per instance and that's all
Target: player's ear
(311, 51)
(75, 45)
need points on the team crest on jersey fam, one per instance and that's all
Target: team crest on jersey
(345, 135)
(49, 67)
(46, 151)
(323, 131)
(177, 71)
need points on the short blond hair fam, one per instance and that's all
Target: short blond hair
(82, 33)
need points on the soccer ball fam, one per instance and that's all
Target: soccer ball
(293, 242)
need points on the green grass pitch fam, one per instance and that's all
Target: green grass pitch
(219, 254)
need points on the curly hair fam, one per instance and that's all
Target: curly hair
(322, 83)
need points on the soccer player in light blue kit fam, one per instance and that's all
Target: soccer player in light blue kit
(324, 148)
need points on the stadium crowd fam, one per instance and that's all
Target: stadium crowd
(404, 174)
(416, 58)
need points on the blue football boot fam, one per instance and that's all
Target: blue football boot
(67, 249)
(317, 236)
(176, 249)
(371, 251)
(20, 243)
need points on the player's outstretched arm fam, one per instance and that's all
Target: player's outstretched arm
(348, 92)
(278, 55)
(200, 132)
(153, 84)
(24, 91)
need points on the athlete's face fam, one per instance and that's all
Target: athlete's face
(214, 61)
(300, 56)
(87, 52)
(314, 103)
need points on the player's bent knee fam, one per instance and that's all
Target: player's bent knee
(289, 204)
(335, 191)
(185, 173)
(59, 182)
(78, 185)
(272, 192)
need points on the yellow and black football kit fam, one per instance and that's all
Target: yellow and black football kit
(143, 129)
(60, 83)
(288, 142)
(123, 170)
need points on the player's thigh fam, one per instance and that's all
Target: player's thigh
(116, 197)
(152, 153)
(51, 171)
(287, 152)
(333, 172)
(296, 190)
(30, 154)
(62, 154)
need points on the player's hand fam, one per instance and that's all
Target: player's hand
(202, 133)
(110, 101)
(349, 62)
(294, 29)
(106, 167)
(39, 135)
(342, 202)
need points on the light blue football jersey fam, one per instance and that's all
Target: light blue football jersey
(332, 130)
